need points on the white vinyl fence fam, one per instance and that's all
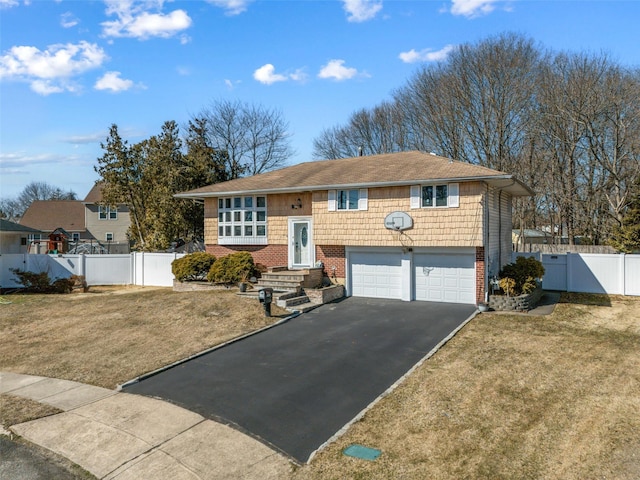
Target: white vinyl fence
(590, 272)
(144, 269)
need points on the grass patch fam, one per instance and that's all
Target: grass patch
(512, 396)
(111, 335)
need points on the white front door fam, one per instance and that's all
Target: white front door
(301, 251)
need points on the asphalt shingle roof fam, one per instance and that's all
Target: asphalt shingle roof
(7, 226)
(402, 168)
(47, 215)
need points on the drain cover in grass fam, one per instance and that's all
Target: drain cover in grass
(360, 451)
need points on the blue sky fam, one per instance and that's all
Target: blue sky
(69, 69)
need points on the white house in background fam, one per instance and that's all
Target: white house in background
(15, 238)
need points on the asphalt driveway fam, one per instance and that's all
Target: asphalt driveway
(295, 385)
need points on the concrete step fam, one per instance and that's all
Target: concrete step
(286, 285)
(292, 301)
(289, 275)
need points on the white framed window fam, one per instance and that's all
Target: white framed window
(35, 237)
(435, 196)
(352, 199)
(75, 237)
(109, 236)
(107, 213)
(242, 220)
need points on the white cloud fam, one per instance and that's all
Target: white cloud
(45, 87)
(266, 74)
(87, 139)
(8, 3)
(361, 10)
(336, 70)
(232, 7)
(68, 20)
(136, 19)
(51, 70)
(112, 81)
(472, 8)
(426, 55)
(299, 76)
(231, 84)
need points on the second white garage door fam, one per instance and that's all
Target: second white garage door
(445, 277)
(376, 274)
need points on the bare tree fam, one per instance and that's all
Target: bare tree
(255, 138)
(567, 124)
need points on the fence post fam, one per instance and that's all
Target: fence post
(621, 278)
(569, 272)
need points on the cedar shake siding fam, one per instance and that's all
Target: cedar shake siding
(432, 227)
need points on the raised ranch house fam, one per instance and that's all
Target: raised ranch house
(410, 226)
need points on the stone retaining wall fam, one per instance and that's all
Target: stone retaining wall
(325, 295)
(519, 303)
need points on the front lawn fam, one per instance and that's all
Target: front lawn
(509, 397)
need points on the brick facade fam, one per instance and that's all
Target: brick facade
(332, 256)
(480, 274)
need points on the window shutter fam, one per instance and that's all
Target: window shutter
(415, 196)
(454, 198)
(332, 200)
(363, 199)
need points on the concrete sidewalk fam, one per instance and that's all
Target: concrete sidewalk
(121, 436)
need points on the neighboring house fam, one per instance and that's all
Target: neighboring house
(16, 238)
(334, 212)
(529, 236)
(107, 224)
(51, 215)
(84, 222)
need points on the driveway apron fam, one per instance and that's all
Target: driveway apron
(294, 386)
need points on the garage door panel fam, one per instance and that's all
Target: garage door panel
(445, 277)
(376, 275)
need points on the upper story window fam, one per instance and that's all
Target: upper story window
(353, 199)
(107, 213)
(435, 195)
(438, 195)
(348, 199)
(242, 220)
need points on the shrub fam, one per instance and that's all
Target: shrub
(507, 285)
(194, 266)
(41, 283)
(524, 272)
(232, 268)
(31, 281)
(63, 285)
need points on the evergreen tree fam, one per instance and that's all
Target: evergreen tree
(626, 237)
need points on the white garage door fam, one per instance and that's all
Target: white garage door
(445, 277)
(376, 274)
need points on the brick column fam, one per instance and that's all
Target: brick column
(480, 274)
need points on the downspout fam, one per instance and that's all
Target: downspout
(500, 228)
(485, 280)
